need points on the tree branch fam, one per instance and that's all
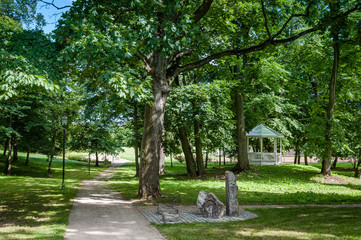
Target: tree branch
(293, 16)
(239, 52)
(202, 10)
(52, 4)
(265, 20)
(179, 55)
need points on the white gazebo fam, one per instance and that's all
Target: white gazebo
(262, 157)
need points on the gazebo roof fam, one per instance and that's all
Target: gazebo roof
(264, 131)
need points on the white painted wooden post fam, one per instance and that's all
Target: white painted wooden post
(261, 150)
(281, 148)
(275, 151)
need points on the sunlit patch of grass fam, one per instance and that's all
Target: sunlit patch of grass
(34, 206)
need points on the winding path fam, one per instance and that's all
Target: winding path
(100, 212)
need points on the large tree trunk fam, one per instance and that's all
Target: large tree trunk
(149, 187)
(15, 149)
(136, 140)
(326, 163)
(198, 142)
(242, 151)
(187, 150)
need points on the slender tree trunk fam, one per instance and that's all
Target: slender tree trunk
(52, 151)
(15, 149)
(27, 158)
(198, 141)
(171, 159)
(358, 169)
(334, 163)
(149, 187)
(326, 163)
(7, 169)
(187, 150)
(220, 157)
(306, 159)
(96, 159)
(224, 156)
(5, 146)
(136, 141)
(299, 157)
(206, 159)
(296, 153)
(242, 151)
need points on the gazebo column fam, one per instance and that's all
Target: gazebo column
(275, 150)
(261, 150)
(281, 148)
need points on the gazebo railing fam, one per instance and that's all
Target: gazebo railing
(259, 158)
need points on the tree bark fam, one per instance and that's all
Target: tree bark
(96, 159)
(306, 160)
(206, 159)
(149, 187)
(224, 156)
(326, 163)
(52, 151)
(242, 151)
(27, 158)
(5, 146)
(299, 157)
(161, 160)
(334, 163)
(136, 140)
(187, 150)
(198, 141)
(7, 169)
(15, 149)
(220, 157)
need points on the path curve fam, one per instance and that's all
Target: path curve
(100, 212)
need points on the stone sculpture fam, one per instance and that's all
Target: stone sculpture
(209, 205)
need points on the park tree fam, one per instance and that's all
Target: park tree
(166, 38)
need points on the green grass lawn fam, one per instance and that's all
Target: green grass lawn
(33, 206)
(263, 185)
(286, 184)
(288, 223)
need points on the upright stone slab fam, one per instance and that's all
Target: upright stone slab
(232, 207)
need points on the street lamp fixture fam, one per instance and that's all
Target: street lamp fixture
(64, 122)
(89, 145)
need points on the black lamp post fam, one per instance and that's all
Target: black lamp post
(64, 122)
(89, 145)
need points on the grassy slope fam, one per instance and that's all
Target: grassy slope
(33, 206)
